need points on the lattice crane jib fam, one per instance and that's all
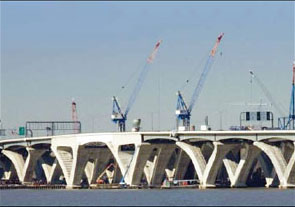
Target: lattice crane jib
(120, 117)
(186, 111)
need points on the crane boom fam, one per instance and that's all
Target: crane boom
(204, 74)
(292, 101)
(267, 93)
(118, 116)
(141, 77)
(182, 111)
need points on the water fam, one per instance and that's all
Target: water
(155, 197)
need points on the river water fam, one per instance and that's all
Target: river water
(156, 197)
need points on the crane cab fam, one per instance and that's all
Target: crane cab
(181, 112)
(116, 117)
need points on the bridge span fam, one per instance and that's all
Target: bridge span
(152, 157)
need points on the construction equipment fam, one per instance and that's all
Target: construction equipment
(118, 116)
(99, 180)
(267, 93)
(75, 116)
(183, 112)
(288, 122)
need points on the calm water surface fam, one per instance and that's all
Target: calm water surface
(170, 197)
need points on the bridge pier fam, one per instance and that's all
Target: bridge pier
(142, 155)
(159, 165)
(135, 164)
(214, 163)
(30, 163)
(284, 170)
(7, 170)
(100, 158)
(207, 171)
(238, 171)
(271, 177)
(24, 168)
(72, 160)
(181, 165)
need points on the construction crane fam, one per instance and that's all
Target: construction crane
(288, 122)
(183, 112)
(118, 116)
(267, 93)
(75, 116)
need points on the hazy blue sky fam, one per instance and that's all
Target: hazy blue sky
(53, 51)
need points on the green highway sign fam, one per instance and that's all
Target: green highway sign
(21, 131)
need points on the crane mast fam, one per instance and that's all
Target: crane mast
(182, 111)
(118, 116)
(289, 122)
(292, 102)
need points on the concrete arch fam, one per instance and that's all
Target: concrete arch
(235, 138)
(275, 138)
(99, 159)
(248, 139)
(15, 147)
(159, 139)
(8, 170)
(24, 167)
(133, 164)
(283, 169)
(206, 170)
(41, 145)
(195, 139)
(238, 169)
(64, 156)
(78, 161)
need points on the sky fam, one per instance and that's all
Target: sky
(52, 52)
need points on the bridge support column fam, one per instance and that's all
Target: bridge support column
(52, 171)
(238, 171)
(18, 162)
(30, 163)
(215, 163)
(24, 168)
(271, 177)
(182, 164)
(283, 169)
(72, 160)
(131, 163)
(160, 164)
(144, 151)
(207, 172)
(7, 170)
(100, 158)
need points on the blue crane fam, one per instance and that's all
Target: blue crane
(183, 112)
(289, 122)
(118, 116)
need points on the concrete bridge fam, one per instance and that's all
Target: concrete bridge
(151, 157)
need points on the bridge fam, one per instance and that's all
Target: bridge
(152, 157)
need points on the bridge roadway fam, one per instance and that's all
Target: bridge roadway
(151, 157)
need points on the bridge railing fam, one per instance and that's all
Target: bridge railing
(51, 128)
